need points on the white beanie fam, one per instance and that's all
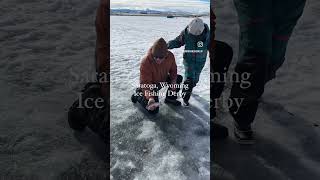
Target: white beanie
(196, 26)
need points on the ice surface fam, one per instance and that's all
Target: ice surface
(37, 87)
(175, 143)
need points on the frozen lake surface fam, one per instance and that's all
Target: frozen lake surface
(174, 144)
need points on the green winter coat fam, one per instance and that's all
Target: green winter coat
(195, 51)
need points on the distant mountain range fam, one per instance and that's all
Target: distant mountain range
(153, 12)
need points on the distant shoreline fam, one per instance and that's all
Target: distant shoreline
(159, 15)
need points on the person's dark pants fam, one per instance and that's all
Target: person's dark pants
(172, 94)
(187, 89)
(97, 119)
(98, 122)
(220, 62)
(144, 102)
(87, 112)
(265, 29)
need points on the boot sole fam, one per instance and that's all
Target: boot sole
(133, 99)
(168, 102)
(155, 106)
(245, 142)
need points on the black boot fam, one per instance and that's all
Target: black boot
(186, 97)
(172, 99)
(243, 135)
(219, 131)
(187, 89)
(156, 111)
(77, 117)
(135, 96)
(78, 114)
(99, 122)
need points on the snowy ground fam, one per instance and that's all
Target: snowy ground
(47, 50)
(287, 123)
(175, 143)
(44, 47)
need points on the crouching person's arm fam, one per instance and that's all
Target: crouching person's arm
(146, 81)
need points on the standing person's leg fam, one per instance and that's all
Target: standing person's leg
(219, 66)
(188, 83)
(255, 49)
(193, 72)
(285, 16)
(188, 86)
(172, 93)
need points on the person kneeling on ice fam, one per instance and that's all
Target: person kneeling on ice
(195, 39)
(156, 67)
(220, 54)
(91, 108)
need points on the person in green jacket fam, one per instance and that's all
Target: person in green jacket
(195, 38)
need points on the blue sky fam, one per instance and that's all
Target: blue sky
(194, 6)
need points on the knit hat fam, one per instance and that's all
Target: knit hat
(159, 48)
(196, 26)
